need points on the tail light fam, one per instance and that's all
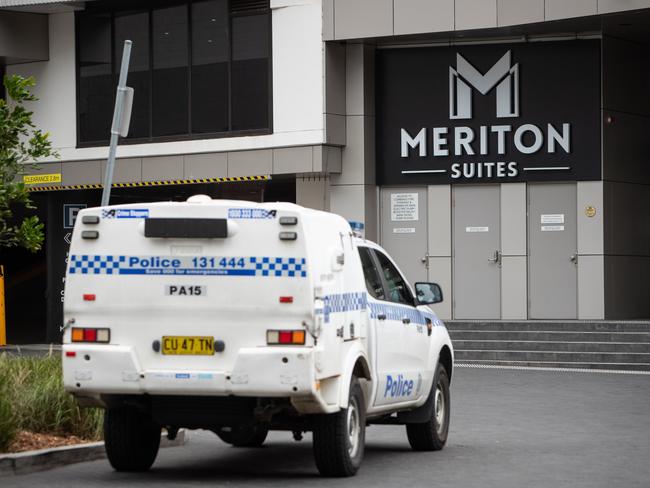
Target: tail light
(285, 337)
(102, 336)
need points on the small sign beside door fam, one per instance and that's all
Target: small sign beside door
(552, 219)
(404, 230)
(477, 229)
(404, 207)
(552, 228)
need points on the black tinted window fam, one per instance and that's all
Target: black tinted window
(134, 26)
(96, 86)
(170, 76)
(210, 66)
(197, 67)
(398, 291)
(371, 274)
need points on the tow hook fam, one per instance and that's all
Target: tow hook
(297, 435)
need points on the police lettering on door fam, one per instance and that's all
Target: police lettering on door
(398, 387)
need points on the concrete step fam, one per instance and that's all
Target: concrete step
(567, 364)
(545, 335)
(553, 356)
(533, 345)
(550, 325)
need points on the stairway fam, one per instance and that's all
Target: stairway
(614, 345)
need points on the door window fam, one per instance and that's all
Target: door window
(397, 289)
(371, 274)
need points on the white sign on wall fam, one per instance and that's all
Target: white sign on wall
(552, 228)
(552, 219)
(404, 230)
(404, 207)
(477, 229)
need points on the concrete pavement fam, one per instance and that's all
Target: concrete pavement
(509, 428)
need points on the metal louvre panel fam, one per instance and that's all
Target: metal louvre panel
(242, 6)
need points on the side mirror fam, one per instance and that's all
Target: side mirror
(428, 293)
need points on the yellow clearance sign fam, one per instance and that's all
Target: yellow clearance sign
(40, 179)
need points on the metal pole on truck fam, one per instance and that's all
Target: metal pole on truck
(121, 120)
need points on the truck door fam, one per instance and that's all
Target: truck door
(401, 338)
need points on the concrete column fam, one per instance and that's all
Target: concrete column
(514, 265)
(439, 244)
(313, 192)
(591, 261)
(354, 194)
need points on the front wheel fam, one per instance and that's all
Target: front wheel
(131, 439)
(432, 434)
(339, 438)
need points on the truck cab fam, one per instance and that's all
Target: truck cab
(241, 318)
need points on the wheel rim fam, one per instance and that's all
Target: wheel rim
(440, 409)
(354, 429)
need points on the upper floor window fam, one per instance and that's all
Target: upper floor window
(199, 68)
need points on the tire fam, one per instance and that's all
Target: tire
(131, 438)
(432, 435)
(339, 438)
(244, 435)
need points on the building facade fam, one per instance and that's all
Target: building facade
(494, 146)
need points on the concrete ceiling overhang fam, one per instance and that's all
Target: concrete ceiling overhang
(633, 25)
(42, 6)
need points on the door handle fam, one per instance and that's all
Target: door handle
(425, 259)
(381, 316)
(406, 320)
(496, 259)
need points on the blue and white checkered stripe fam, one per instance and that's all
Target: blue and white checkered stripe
(398, 312)
(346, 302)
(86, 264)
(290, 267)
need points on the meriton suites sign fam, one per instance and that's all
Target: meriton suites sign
(489, 113)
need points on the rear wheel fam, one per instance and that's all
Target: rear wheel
(432, 435)
(131, 438)
(339, 438)
(244, 435)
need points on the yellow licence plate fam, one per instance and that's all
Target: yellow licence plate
(188, 345)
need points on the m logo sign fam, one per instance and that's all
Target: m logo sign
(488, 113)
(502, 75)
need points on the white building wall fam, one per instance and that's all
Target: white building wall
(298, 81)
(55, 84)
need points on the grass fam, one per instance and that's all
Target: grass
(32, 398)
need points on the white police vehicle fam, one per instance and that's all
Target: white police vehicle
(242, 318)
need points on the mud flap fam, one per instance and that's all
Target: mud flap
(419, 415)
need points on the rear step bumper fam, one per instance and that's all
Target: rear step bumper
(260, 371)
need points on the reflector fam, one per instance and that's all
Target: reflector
(77, 335)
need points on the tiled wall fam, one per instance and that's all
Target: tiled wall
(355, 19)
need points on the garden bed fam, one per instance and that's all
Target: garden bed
(35, 410)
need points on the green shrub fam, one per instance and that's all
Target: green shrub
(8, 421)
(34, 387)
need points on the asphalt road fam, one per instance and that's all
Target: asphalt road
(509, 428)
